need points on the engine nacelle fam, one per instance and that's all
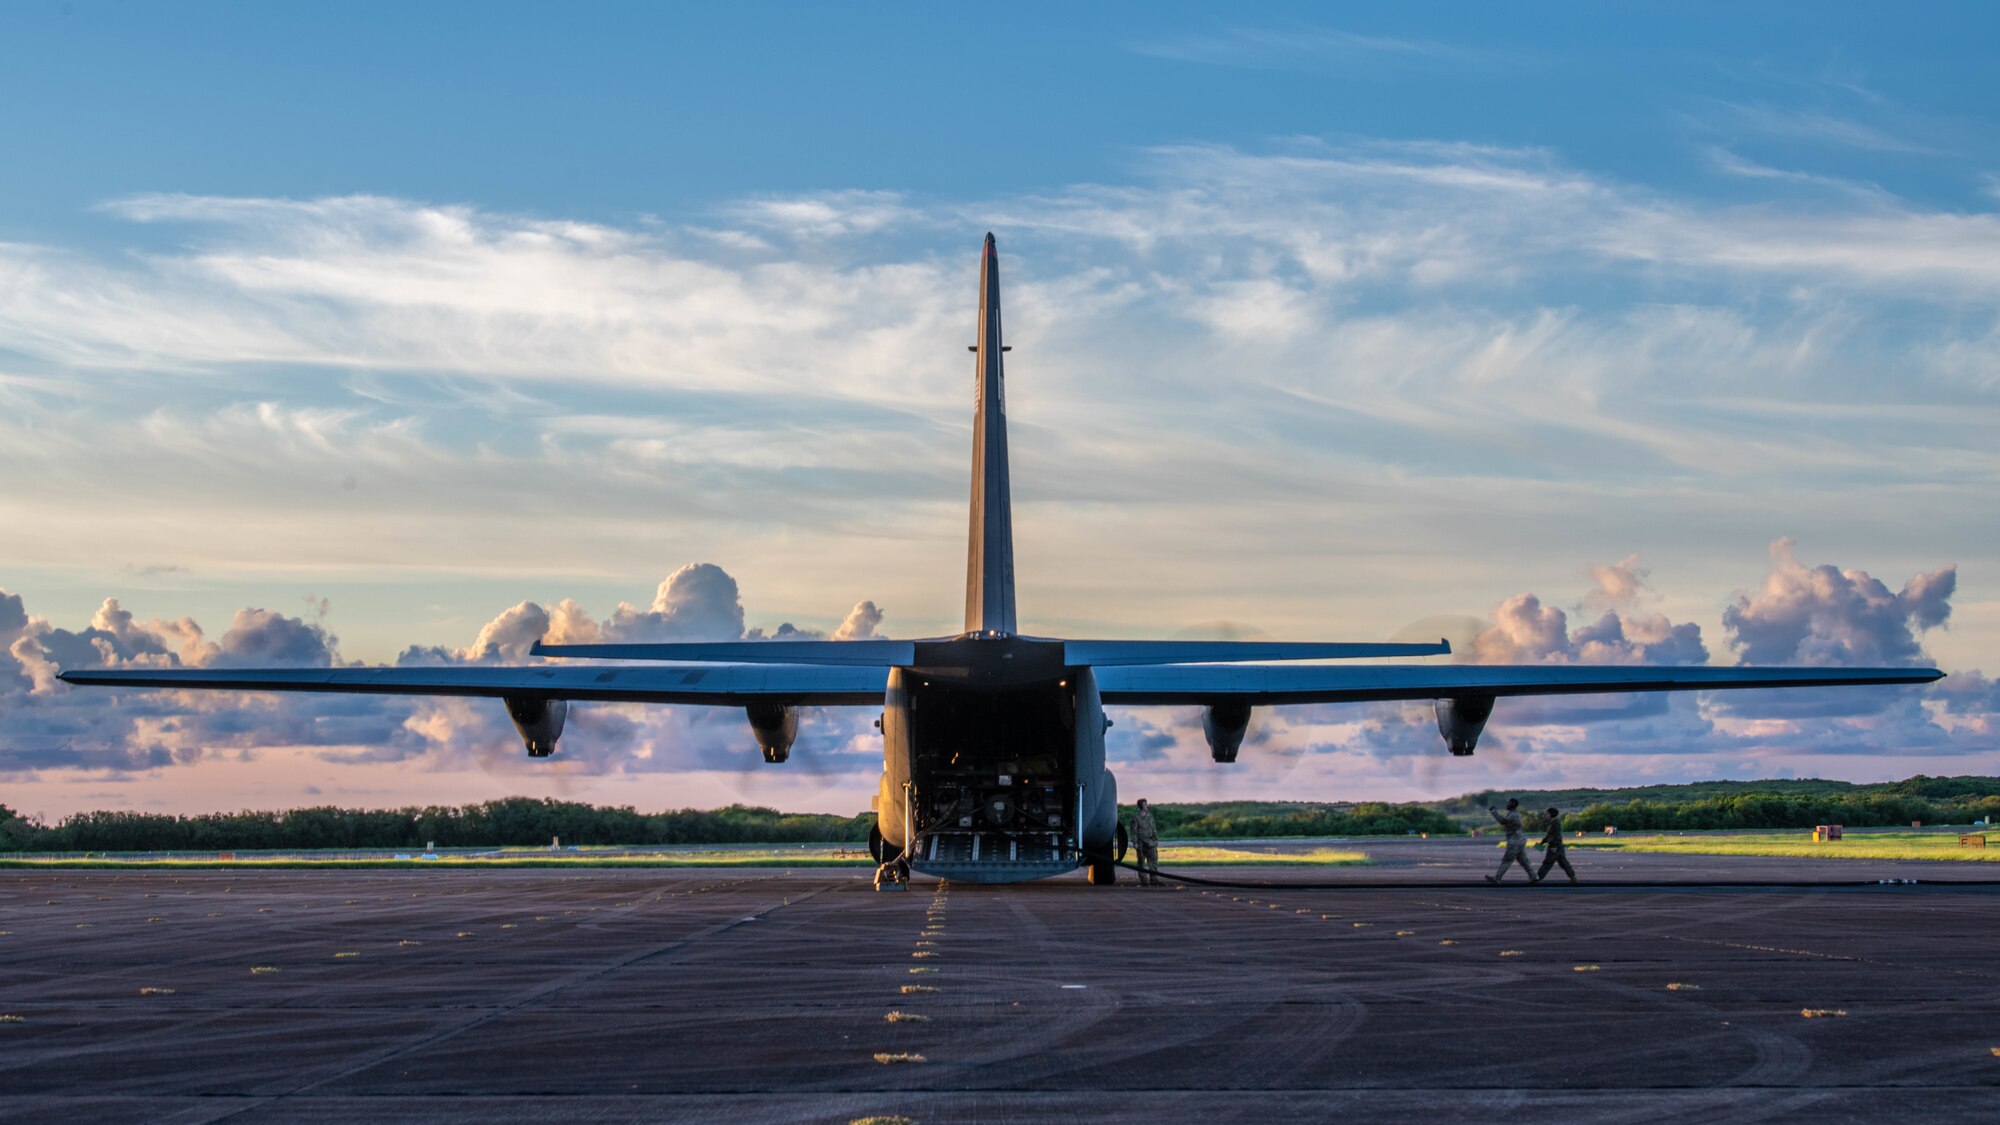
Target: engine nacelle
(539, 720)
(1461, 720)
(776, 726)
(1224, 726)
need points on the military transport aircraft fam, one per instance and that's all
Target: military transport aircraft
(992, 742)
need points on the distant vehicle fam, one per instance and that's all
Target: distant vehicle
(993, 764)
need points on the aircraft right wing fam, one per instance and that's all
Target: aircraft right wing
(1105, 654)
(1263, 685)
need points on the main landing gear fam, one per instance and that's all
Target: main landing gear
(894, 872)
(1104, 872)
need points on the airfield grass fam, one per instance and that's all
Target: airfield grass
(1201, 855)
(1208, 855)
(1941, 846)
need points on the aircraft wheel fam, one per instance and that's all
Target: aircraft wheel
(1122, 842)
(1103, 873)
(881, 849)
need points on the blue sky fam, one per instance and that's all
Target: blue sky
(609, 112)
(385, 319)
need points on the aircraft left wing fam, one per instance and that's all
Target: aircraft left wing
(1260, 685)
(727, 685)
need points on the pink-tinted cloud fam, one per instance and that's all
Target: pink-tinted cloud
(1826, 615)
(1526, 631)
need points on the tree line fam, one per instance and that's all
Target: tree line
(1774, 810)
(531, 822)
(1252, 819)
(512, 822)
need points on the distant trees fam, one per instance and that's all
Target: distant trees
(512, 822)
(528, 822)
(1770, 810)
(1250, 819)
(14, 832)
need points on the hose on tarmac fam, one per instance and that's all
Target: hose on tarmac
(1609, 884)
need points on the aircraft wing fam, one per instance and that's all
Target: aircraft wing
(882, 653)
(1265, 685)
(1104, 654)
(871, 653)
(734, 685)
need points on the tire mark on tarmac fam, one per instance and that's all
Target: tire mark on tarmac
(1070, 1034)
(431, 1038)
(1776, 1058)
(177, 1021)
(1779, 1058)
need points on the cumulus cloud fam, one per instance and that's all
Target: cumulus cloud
(1825, 615)
(50, 725)
(268, 639)
(863, 622)
(508, 637)
(698, 602)
(1527, 631)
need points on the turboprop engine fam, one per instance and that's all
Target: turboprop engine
(1461, 719)
(1224, 725)
(775, 727)
(539, 720)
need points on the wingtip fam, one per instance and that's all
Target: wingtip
(1446, 642)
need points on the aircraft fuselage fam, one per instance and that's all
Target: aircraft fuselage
(993, 762)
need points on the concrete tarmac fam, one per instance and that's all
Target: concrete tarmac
(764, 995)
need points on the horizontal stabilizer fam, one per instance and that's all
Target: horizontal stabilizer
(870, 653)
(1104, 654)
(740, 685)
(1266, 685)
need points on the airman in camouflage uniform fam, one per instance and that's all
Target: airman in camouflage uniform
(1553, 851)
(1146, 840)
(1517, 844)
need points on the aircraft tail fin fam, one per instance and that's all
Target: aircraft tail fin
(989, 568)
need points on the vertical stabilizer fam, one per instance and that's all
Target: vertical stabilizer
(989, 567)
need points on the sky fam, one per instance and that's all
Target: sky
(376, 333)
